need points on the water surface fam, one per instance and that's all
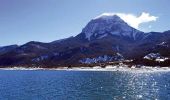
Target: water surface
(83, 85)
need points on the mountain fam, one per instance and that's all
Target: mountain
(7, 48)
(104, 39)
(105, 25)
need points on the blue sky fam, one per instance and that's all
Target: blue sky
(47, 20)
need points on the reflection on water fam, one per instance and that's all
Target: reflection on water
(52, 85)
(142, 85)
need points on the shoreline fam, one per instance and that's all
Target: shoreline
(98, 68)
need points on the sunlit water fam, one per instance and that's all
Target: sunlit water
(83, 85)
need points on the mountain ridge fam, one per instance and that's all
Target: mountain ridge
(104, 39)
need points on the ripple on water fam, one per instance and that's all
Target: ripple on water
(85, 85)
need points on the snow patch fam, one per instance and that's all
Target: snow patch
(156, 57)
(105, 58)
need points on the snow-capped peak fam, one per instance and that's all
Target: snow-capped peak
(108, 23)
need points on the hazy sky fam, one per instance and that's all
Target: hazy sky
(47, 20)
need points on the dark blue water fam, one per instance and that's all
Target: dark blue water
(77, 85)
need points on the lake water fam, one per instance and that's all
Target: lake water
(83, 85)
